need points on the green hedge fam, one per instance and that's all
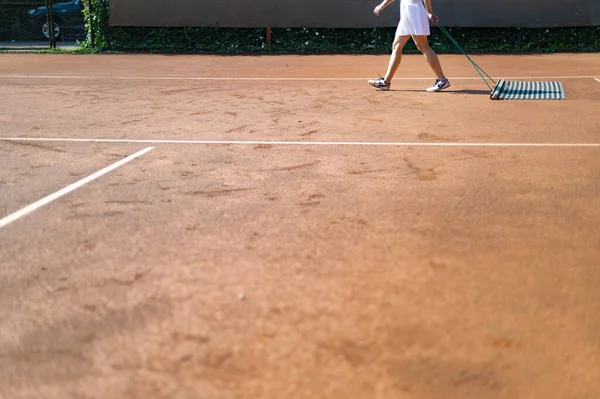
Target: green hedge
(355, 41)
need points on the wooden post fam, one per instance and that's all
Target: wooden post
(269, 37)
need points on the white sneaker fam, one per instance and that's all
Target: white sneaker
(380, 84)
(439, 85)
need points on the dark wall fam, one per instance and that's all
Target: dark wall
(349, 13)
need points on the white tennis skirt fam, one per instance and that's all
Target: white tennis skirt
(413, 19)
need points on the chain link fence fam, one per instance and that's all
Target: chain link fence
(26, 24)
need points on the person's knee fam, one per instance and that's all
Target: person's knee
(398, 44)
(423, 47)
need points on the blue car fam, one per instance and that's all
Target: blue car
(68, 17)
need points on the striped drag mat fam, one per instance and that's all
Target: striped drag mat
(517, 90)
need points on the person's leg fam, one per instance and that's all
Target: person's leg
(394, 63)
(396, 57)
(431, 57)
(441, 82)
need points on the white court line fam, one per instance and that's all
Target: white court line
(259, 79)
(304, 143)
(11, 218)
(597, 79)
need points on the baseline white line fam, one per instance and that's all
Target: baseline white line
(259, 79)
(597, 79)
(304, 143)
(44, 201)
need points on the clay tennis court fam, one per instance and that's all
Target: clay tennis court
(273, 227)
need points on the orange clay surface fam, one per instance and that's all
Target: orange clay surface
(268, 270)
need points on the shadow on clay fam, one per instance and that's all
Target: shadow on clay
(474, 92)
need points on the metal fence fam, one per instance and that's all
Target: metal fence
(26, 24)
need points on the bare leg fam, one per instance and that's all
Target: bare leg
(430, 56)
(396, 57)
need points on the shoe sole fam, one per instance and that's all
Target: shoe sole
(380, 88)
(437, 90)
